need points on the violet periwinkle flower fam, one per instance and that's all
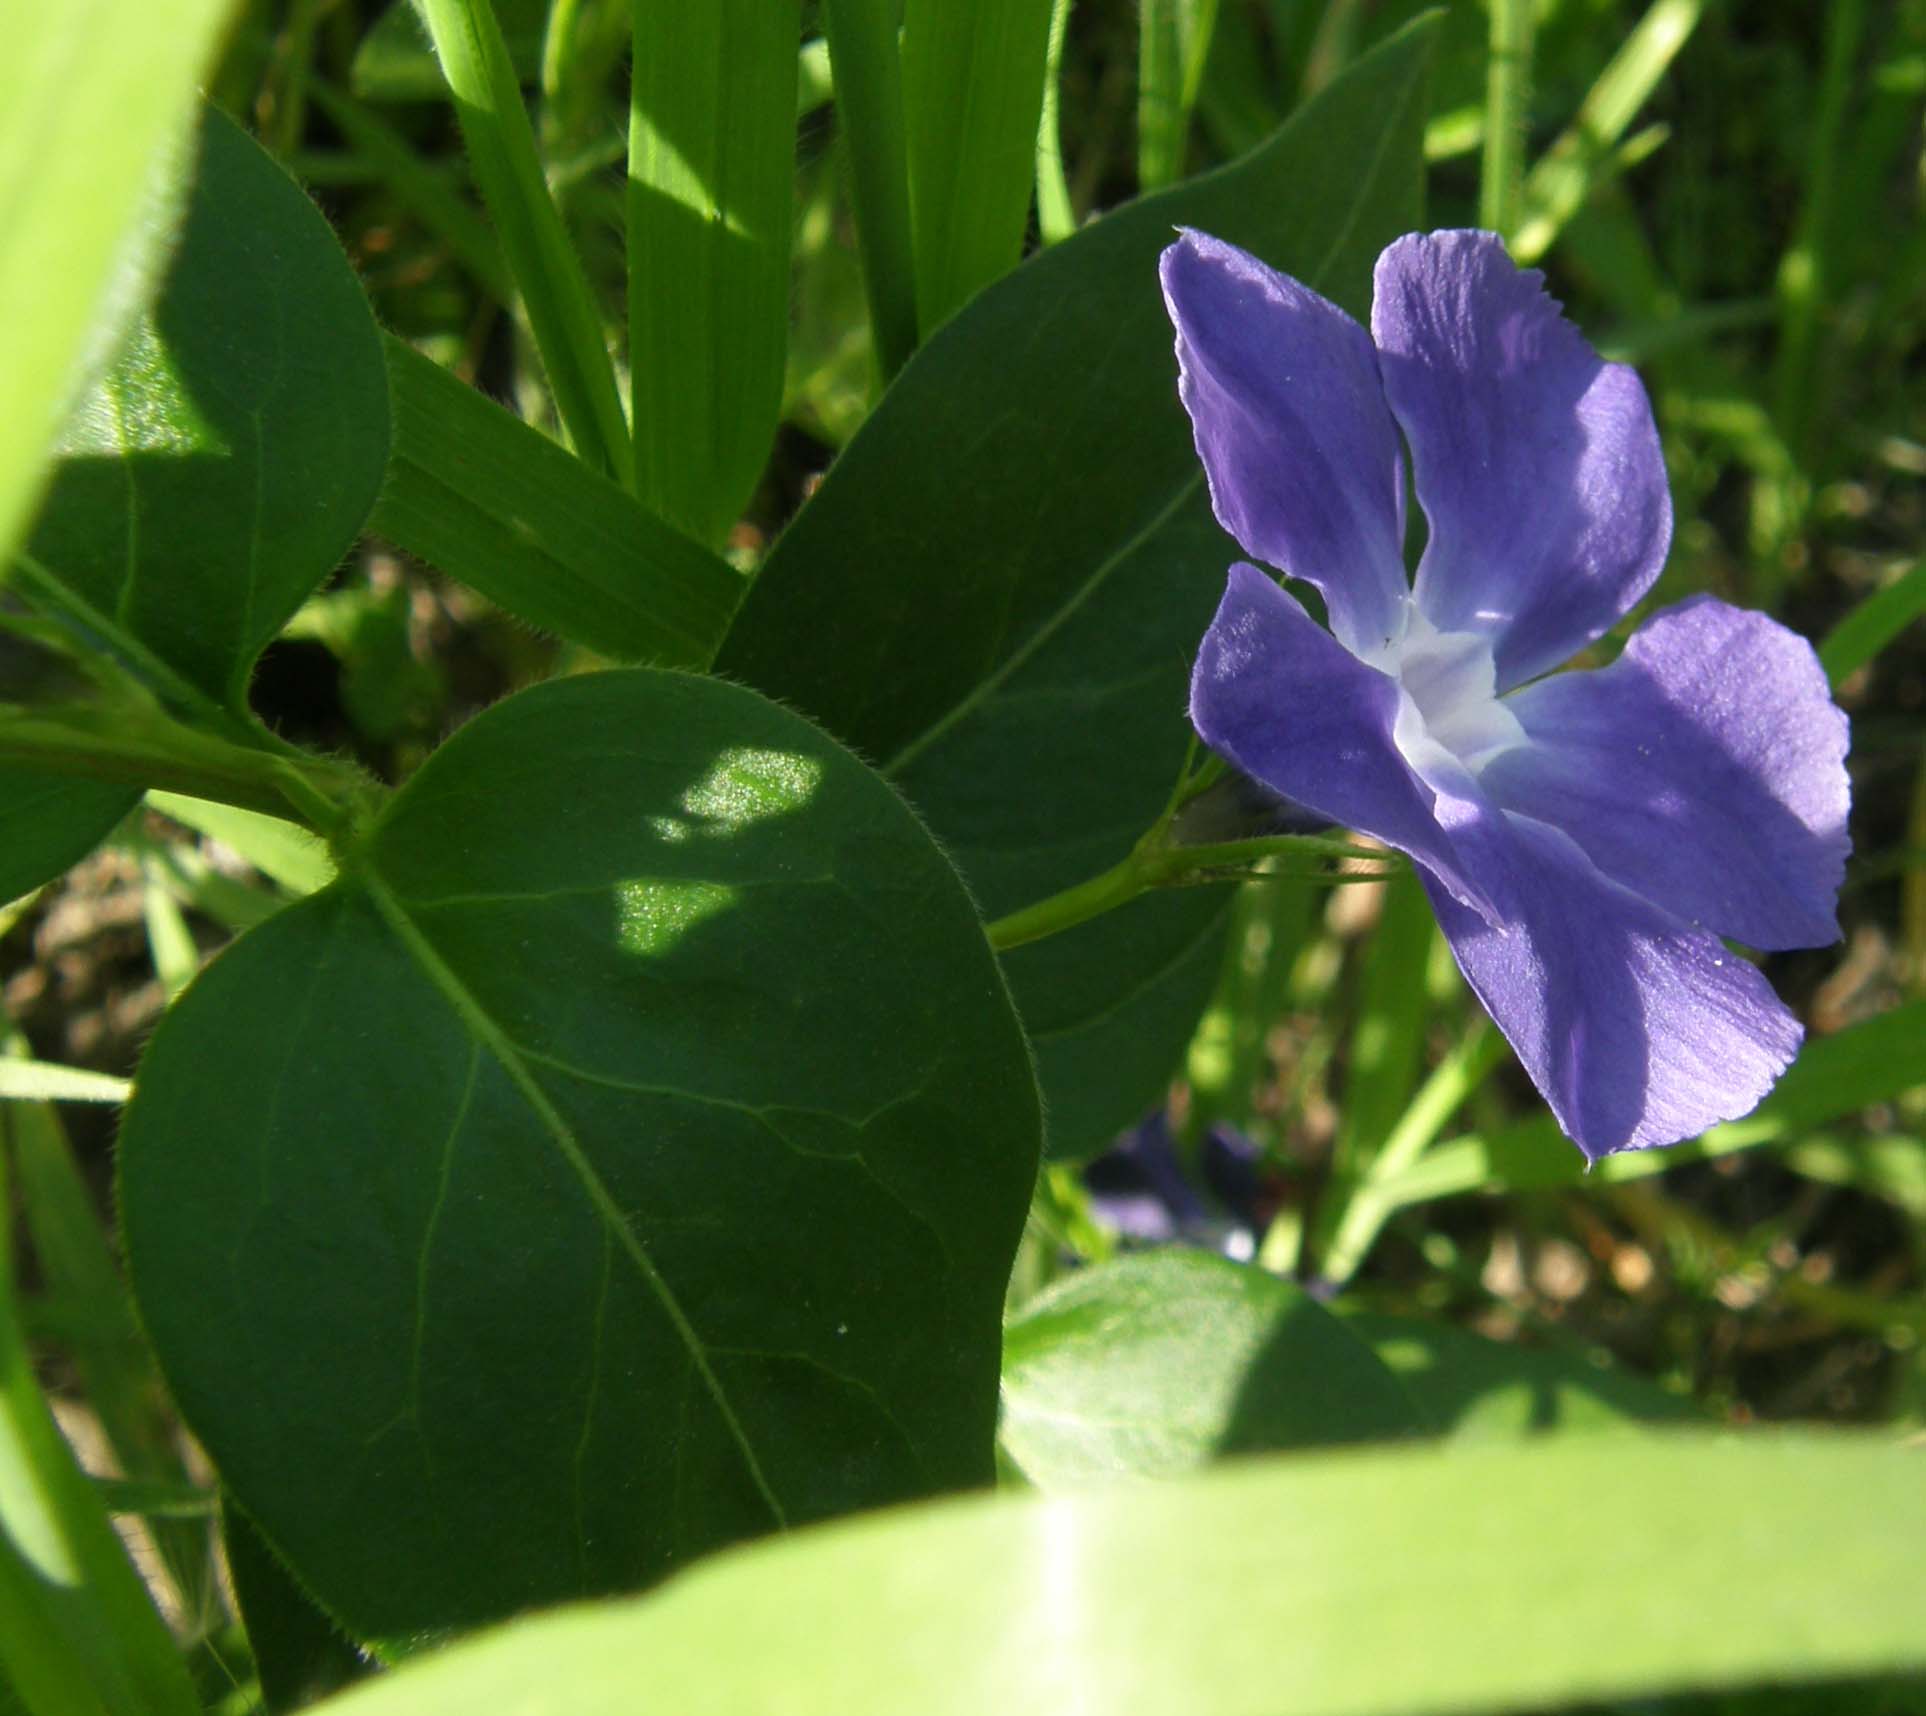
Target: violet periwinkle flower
(1586, 838)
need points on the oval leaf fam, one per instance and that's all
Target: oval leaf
(1166, 1361)
(1391, 1582)
(228, 458)
(1002, 580)
(630, 1155)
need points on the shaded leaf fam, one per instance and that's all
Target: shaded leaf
(1471, 1386)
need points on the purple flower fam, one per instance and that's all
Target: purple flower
(1585, 838)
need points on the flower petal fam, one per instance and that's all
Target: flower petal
(1536, 462)
(1278, 696)
(1638, 1029)
(1704, 768)
(1303, 458)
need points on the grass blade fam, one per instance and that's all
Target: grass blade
(1172, 45)
(1507, 112)
(93, 97)
(501, 146)
(80, 1632)
(476, 492)
(973, 97)
(869, 95)
(711, 204)
(1563, 178)
(1871, 626)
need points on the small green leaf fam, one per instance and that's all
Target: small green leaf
(1473, 1387)
(475, 491)
(226, 462)
(972, 97)
(636, 1141)
(712, 171)
(1164, 1362)
(96, 101)
(1392, 1582)
(997, 589)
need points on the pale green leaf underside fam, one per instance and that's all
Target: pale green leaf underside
(1400, 1582)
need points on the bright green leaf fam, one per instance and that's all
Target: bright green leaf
(227, 461)
(1164, 1362)
(1408, 1582)
(998, 588)
(96, 100)
(631, 1159)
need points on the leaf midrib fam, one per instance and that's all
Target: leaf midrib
(508, 1056)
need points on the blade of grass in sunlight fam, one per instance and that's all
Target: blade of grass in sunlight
(1561, 180)
(561, 310)
(1172, 45)
(710, 207)
(94, 98)
(1056, 214)
(973, 97)
(1871, 626)
(869, 96)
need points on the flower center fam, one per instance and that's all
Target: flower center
(1450, 700)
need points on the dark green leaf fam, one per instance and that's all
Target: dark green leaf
(1166, 1361)
(1471, 1386)
(1394, 1582)
(635, 1145)
(475, 491)
(227, 461)
(997, 590)
(53, 821)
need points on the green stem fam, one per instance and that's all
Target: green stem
(1363, 1209)
(1507, 87)
(1154, 863)
(143, 748)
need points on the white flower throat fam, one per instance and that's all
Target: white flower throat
(1449, 695)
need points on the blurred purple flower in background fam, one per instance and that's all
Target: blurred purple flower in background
(1585, 838)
